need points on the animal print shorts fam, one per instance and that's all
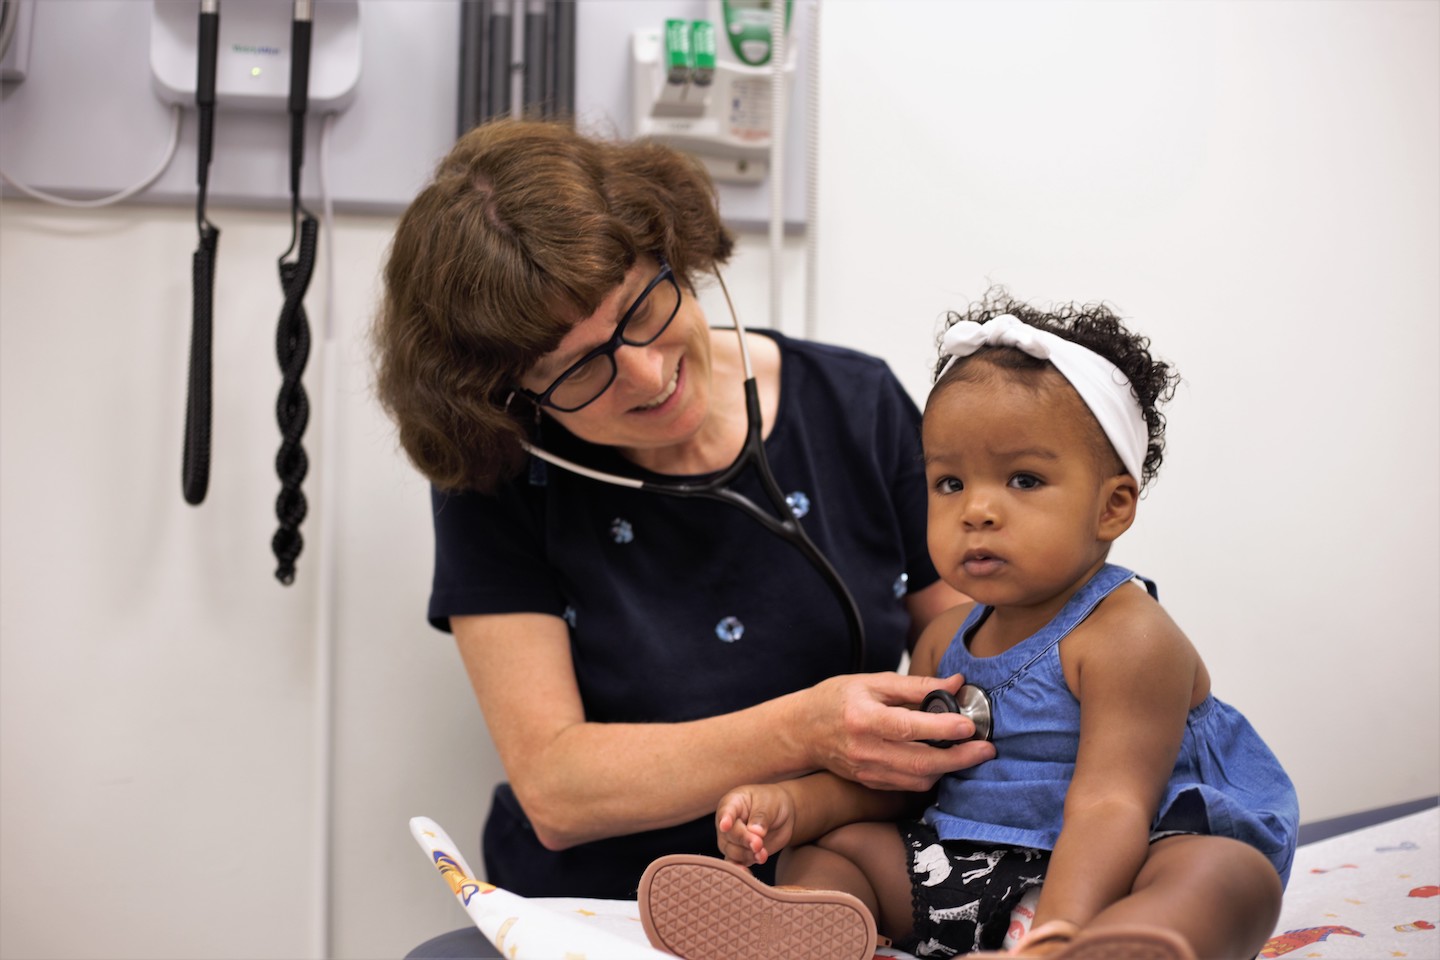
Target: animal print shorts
(963, 892)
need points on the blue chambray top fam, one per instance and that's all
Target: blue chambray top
(1226, 781)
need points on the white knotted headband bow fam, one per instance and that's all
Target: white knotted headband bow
(1102, 385)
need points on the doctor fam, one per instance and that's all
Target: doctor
(636, 655)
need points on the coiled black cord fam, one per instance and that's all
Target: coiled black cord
(195, 463)
(292, 337)
(292, 407)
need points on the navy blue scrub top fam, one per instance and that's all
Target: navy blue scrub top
(681, 609)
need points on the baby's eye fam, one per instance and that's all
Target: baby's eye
(949, 485)
(1025, 481)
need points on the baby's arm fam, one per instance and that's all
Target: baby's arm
(1136, 676)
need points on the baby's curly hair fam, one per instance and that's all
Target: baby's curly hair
(1094, 326)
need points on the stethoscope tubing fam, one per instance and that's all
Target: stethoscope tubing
(786, 525)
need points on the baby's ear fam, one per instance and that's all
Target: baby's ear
(1119, 496)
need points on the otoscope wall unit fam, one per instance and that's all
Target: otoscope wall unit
(252, 71)
(105, 79)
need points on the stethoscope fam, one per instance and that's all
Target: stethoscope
(786, 525)
(973, 702)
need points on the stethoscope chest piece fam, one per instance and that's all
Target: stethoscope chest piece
(973, 702)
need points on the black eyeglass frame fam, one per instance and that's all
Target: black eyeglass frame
(608, 348)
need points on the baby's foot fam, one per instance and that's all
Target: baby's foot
(1059, 940)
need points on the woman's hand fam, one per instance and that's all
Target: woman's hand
(754, 822)
(864, 727)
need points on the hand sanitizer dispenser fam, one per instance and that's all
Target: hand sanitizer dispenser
(703, 87)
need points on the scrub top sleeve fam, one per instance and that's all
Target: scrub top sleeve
(489, 558)
(898, 439)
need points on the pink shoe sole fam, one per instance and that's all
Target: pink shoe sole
(703, 908)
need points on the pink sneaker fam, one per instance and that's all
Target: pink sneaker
(703, 908)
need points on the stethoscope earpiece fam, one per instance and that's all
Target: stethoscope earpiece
(973, 702)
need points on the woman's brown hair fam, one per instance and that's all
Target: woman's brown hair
(522, 232)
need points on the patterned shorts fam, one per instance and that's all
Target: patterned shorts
(963, 892)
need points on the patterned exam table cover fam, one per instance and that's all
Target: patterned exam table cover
(1369, 893)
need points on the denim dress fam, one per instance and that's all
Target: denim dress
(1226, 781)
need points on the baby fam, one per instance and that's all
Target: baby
(1157, 819)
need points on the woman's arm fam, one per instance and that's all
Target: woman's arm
(580, 781)
(1136, 676)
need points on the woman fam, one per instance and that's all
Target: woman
(636, 655)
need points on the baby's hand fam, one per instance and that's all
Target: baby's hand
(752, 823)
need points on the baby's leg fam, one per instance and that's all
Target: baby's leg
(865, 860)
(1221, 895)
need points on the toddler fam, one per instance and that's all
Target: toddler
(1159, 822)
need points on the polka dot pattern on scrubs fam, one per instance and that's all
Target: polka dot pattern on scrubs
(730, 629)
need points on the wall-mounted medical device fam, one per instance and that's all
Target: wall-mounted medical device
(252, 69)
(290, 56)
(704, 86)
(16, 17)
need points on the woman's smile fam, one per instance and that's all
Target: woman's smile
(671, 389)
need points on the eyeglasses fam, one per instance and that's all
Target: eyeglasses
(586, 379)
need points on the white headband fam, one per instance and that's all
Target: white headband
(1101, 384)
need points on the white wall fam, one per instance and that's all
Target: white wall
(1238, 178)
(158, 687)
(1257, 185)
(158, 684)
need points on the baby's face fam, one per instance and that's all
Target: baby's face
(1017, 491)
